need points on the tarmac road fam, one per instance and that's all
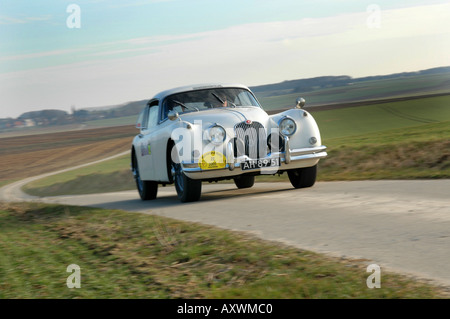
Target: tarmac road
(402, 226)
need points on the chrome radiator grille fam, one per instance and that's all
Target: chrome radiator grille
(250, 140)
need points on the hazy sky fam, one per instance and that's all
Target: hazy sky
(124, 51)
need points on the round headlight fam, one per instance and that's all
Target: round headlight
(287, 126)
(217, 134)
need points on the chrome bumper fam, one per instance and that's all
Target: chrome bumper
(290, 156)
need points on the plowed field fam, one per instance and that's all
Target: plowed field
(25, 156)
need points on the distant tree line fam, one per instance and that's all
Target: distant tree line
(59, 117)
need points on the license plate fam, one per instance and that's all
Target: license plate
(260, 163)
(212, 160)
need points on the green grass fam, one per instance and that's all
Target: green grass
(125, 255)
(109, 176)
(416, 152)
(381, 117)
(3, 183)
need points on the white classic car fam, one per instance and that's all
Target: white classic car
(216, 132)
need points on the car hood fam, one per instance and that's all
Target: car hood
(227, 117)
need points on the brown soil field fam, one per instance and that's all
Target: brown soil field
(26, 156)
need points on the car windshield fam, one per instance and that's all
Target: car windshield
(200, 100)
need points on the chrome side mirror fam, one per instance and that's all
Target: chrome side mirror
(172, 115)
(300, 103)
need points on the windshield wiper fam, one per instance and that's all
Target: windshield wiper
(220, 100)
(185, 106)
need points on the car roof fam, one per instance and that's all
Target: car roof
(195, 87)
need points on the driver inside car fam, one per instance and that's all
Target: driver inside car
(224, 101)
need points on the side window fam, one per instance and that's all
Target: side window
(139, 120)
(153, 114)
(142, 119)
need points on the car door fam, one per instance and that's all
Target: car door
(145, 151)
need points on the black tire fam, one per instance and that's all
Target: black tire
(244, 181)
(303, 177)
(147, 189)
(188, 189)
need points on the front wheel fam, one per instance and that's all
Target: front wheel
(188, 189)
(147, 189)
(303, 177)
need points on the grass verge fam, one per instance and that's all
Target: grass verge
(109, 176)
(3, 183)
(125, 255)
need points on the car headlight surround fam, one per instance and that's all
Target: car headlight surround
(217, 134)
(287, 126)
